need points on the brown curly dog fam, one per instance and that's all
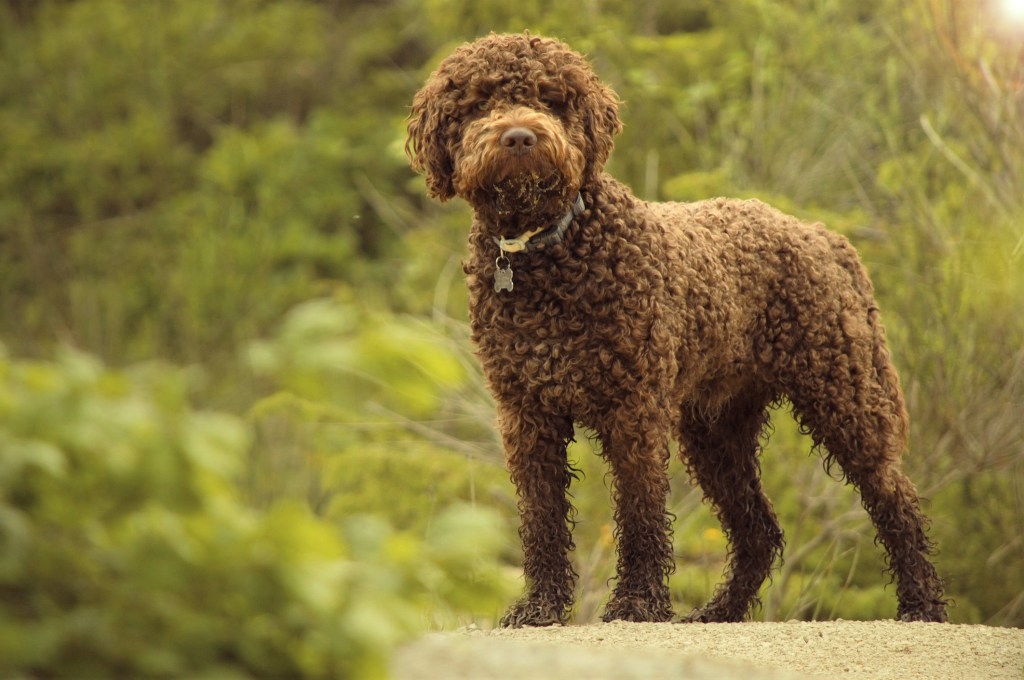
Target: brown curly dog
(642, 320)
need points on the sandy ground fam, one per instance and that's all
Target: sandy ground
(746, 651)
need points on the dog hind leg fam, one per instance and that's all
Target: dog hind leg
(852, 405)
(721, 453)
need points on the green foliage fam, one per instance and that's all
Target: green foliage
(162, 161)
(362, 404)
(125, 550)
(328, 350)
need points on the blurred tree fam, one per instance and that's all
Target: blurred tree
(142, 138)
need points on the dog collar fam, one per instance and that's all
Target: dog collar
(540, 237)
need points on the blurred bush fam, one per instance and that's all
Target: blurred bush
(125, 550)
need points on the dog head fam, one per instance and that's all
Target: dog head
(514, 123)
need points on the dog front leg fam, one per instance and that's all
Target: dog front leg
(637, 450)
(535, 449)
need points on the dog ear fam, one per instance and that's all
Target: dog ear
(427, 143)
(601, 124)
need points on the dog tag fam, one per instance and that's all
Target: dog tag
(502, 275)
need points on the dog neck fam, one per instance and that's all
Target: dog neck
(541, 237)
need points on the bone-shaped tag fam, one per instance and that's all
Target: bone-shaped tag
(502, 275)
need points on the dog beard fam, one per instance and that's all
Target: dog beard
(528, 194)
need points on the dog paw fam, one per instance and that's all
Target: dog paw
(534, 613)
(712, 615)
(637, 610)
(925, 615)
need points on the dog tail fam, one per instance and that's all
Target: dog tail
(888, 400)
(888, 379)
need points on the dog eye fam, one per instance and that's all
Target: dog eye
(552, 103)
(483, 105)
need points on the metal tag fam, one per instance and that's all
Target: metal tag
(502, 275)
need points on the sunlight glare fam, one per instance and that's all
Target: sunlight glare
(1013, 9)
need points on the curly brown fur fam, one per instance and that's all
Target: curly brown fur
(650, 320)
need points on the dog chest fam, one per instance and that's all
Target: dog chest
(565, 359)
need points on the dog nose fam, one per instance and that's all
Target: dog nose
(518, 139)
